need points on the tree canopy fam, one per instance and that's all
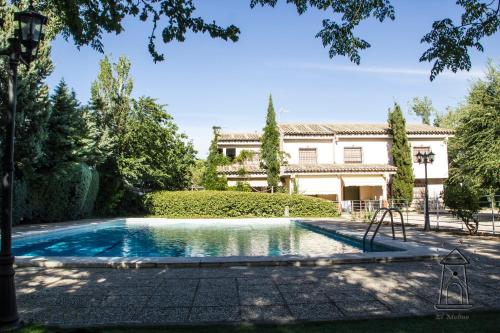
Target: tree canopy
(270, 148)
(475, 149)
(422, 107)
(449, 41)
(403, 181)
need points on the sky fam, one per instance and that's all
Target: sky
(205, 82)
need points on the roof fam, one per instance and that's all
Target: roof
(363, 129)
(292, 168)
(233, 169)
(243, 137)
(312, 168)
(338, 129)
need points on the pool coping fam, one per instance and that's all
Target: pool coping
(410, 252)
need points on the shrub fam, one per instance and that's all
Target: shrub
(463, 201)
(22, 209)
(193, 204)
(66, 194)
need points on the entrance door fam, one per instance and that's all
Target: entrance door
(351, 193)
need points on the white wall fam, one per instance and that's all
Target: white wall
(324, 149)
(318, 184)
(438, 169)
(375, 150)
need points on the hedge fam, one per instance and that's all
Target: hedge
(66, 195)
(192, 204)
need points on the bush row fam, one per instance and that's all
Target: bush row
(191, 204)
(67, 194)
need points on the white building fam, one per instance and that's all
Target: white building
(339, 161)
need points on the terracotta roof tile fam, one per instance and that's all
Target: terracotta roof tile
(333, 129)
(250, 137)
(316, 168)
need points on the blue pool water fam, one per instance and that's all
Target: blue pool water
(187, 238)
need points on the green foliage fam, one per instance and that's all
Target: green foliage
(154, 155)
(32, 100)
(423, 108)
(449, 119)
(211, 180)
(462, 198)
(65, 129)
(270, 147)
(241, 186)
(197, 171)
(403, 181)
(68, 194)
(188, 204)
(449, 42)
(475, 150)
(22, 206)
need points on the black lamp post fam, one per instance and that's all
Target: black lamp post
(22, 48)
(426, 158)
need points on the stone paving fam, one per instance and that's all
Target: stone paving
(153, 296)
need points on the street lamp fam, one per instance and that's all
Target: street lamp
(23, 47)
(426, 158)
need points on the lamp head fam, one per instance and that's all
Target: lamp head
(29, 33)
(419, 157)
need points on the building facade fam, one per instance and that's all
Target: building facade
(338, 161)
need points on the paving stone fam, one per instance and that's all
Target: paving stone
(253, 281)
(300, 297)
(265, 313)
(214, 314)
(158, 316)
(129, 291)
(323, 311)
(260, 298)
(216, 298)
(346, 295)
(207, 285)
(55, 315)
(175, 298)
(114, 315)
(362, 308)
(125, 301)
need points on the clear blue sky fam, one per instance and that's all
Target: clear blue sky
(209, 82)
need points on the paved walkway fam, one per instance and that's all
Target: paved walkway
(81, 297)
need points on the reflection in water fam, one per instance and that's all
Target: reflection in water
(189, 239)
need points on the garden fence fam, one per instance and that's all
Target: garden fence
(440, 215)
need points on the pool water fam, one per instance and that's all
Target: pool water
(187, 238)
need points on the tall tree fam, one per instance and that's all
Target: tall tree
(449, 41)
(65, 129)
(155, 155)
(475, 149)
(211, 180)
(270, 148)
(110, 107)
(403, 181)
(422, 107)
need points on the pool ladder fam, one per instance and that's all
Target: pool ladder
(374, 218)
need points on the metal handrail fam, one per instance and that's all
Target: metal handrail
(386, 210)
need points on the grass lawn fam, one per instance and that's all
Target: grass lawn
(475, 322)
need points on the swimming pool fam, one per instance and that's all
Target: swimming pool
(188, 238)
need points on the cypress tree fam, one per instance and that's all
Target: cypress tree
(403, 181)
(210, 179)
(65, 128)
(270, 148)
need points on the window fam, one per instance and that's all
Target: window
(231, 153)
(353, 155)
(307, 156)
(421, 150)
